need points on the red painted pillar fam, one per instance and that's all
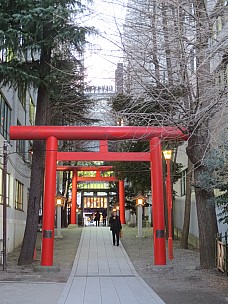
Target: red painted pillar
(157, 202)
(73, 217)
(122, 202)
(49, 202)
(103, 146)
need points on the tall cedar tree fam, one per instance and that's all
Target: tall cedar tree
(32, 32)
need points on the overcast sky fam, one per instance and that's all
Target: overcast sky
(105, 50)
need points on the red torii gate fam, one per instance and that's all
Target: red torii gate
(98, 177)
(54, 133)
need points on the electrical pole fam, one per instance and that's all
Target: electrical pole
(4, 189)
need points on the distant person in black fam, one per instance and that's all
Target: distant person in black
(104, 216)
(115, 227)
(97, 218)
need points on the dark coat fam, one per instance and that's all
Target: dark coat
(104, 213)
(97, 216)
(115, 224)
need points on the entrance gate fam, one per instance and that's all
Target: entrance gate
(98, 177)
(54, 133)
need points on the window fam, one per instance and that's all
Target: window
(21, 93)
(6, 55)
(5, 115)
(7, 187)
(20, 146)
(95, 202)
(183, 182)
(226, 74)
(19, 196)
(219, 24)
(192, 57)
(30, 152)
(31, 112)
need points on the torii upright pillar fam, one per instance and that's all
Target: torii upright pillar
(157, 202)
(122, 202)
(49, 202)
(73, 217)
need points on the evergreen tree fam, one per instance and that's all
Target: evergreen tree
(32, 35)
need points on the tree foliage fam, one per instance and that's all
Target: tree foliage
(34, 37)
(137, 174)
(69, 103)
(215, 177)
(32, 29)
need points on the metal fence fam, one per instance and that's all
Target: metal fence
(222, 252)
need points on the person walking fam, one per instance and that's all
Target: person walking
(115, 227)
(104, 216)
(97, 218)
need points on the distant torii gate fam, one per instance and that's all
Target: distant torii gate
(75, 179)
(54, 133)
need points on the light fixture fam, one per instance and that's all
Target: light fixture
(167, 154)
(60, 200)
(30, 151)
(140, 199)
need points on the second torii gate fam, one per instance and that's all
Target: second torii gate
(54, 133)
(98, 177)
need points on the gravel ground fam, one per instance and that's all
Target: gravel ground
(64, 254)
(181, 281)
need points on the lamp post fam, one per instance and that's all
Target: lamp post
(168, 155)
(118, 210)
(77, 211)
(139, 203)
(4, 189)
(59, 203)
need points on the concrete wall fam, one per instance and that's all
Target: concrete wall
(179, 207)
(178, 211)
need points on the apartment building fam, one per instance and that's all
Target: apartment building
(17, 108)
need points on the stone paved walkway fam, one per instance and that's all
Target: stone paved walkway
(103, 274)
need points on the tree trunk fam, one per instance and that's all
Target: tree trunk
(167, 43)
(207, 224)
(207, 227)
(37, 169)
(187, 211)
(207, 220)
(35, 192)
(36, 188)
(154, 47)
(199, 141)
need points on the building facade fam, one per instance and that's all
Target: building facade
(17, 108)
